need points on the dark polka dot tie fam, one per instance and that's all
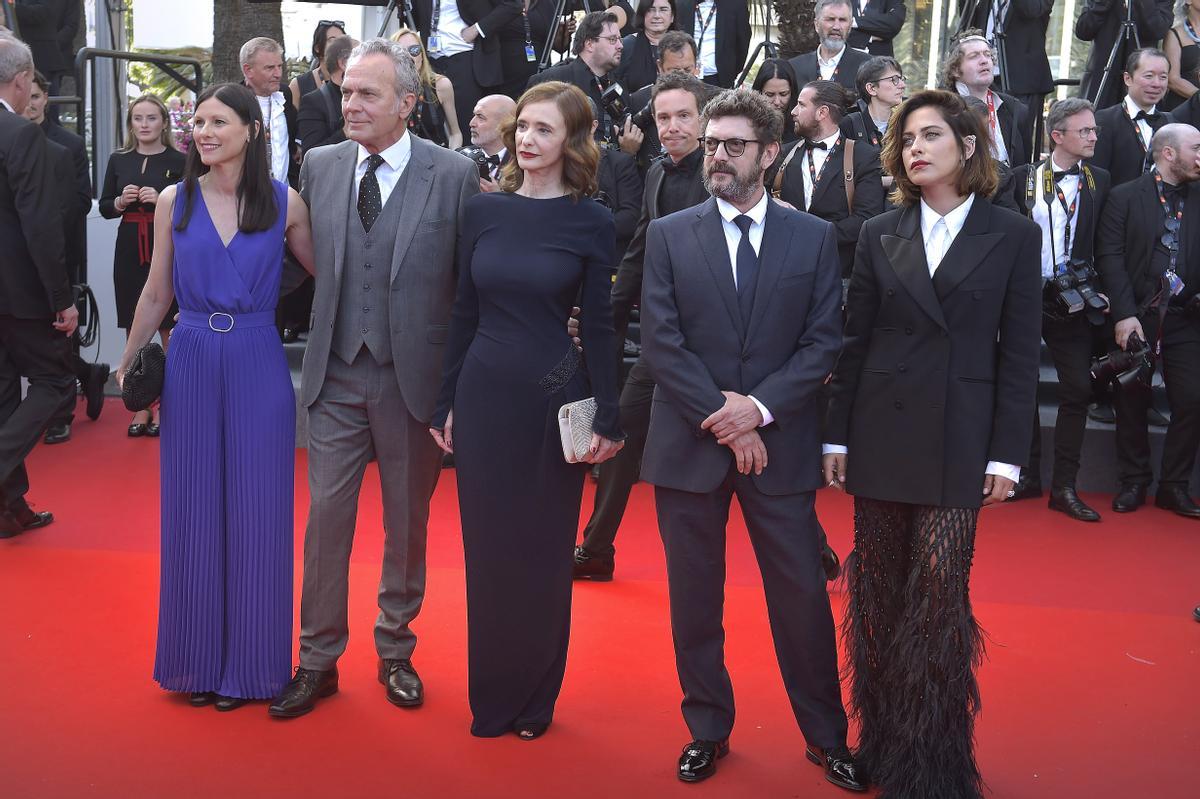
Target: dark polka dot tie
(370, 201)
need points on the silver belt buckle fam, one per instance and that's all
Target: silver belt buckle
(213, 316)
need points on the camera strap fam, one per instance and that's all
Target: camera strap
(1051, 189)
(702, 25)
(814, 174)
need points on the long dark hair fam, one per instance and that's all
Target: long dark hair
(256, 207)
(774, 68)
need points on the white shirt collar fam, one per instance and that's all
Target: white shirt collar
(394, 156)
(1132, 110)
(757, 214)
(5, 103)
(829, 140)
(832, 61)
(997, 100)
(1055, 165)
(954, 220)
(274, 98)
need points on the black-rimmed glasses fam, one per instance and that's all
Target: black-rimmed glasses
(895, 80)
(733, 147)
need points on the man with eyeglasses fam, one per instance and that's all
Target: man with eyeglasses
(721, 30)
(833, 59)
(1065, 197)
(741, 320)
(1125, 128)
(1146, 252)
(597, 48)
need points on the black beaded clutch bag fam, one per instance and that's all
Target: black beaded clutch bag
(144, 379)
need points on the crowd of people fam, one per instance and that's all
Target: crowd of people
(873, 326)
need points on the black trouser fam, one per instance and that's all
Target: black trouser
(467, 92)
(83, 372)
(29, 348)
(1034, 103)
(295, 307)
(1181, 372)
(1070, 343)
(619, 474)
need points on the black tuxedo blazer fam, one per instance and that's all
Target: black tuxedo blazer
(1024, 43)
(882, 19)
(574, 72)
(619, 179)
(33, 274)
(859, 126)
(1119, 149)
(1100, 23)
(1130, 225)
(806, 69)
(491, 16)
(697, 345)
(319, 120)
(923, 396)
(81, 202)
(1091, 205)
(732, 23)
(829, 195)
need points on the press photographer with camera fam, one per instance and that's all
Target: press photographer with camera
(597, 50)
(1148, 255)
(1065, 198)
(488, 150)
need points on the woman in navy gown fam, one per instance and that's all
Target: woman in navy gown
(228, 411)
(525, 254)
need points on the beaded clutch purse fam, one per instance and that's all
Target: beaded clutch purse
(143, 382)
(575, 428)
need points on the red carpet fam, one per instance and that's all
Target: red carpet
(1089, 690)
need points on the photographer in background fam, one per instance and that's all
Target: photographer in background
(1148, 254)
(320, 116)
(597, 50)
(1065, 198)
(487, 148)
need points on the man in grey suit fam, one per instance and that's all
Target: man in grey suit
(740, 325)
(386, 211)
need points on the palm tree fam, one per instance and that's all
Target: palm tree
(794, 19)
(235, 22)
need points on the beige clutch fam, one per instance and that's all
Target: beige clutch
(575, 428)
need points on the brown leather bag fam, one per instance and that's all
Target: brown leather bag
(847, 171)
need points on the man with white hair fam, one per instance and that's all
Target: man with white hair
(262, 72)
(385, 282)
(832, 60)
(486, 133)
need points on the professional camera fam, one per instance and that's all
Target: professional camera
(1073, 291)
(480, 158)
(613, 100)
(1134, 364)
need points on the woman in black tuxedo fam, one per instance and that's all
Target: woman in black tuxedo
(935, 417)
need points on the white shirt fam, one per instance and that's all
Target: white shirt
(449, 31)
(708, 43)
(6, 105)
(999, 148)
(1143, 126)
(276, 122)
(395, 159)
(733, 239)
(996, 21)
(827, 68)
(1052, 219)
(818, 156)
(948, 228)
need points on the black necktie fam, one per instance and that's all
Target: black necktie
(747, 268)
(370, 201)
(1060, 174)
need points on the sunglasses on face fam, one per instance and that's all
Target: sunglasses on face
(414, 50)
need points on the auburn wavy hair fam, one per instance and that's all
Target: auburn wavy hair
(581, 156)
(978, 173)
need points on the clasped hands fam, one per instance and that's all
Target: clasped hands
(735, 424)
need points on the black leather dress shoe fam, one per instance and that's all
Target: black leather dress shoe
(289, 335)
(699, 759)
(1129, 498)
(1067, 501)
(93, 390)
(1175, 498)
(404, 688)
(202, 698)
(152, 430)
(830, 564)
(28, 518)
(301, 694)
(137, 430)
(228, 703)
(592, 567)
(58, 434)
(839, 765)
(1102, 412)
(1026, 488)
(1196, 613)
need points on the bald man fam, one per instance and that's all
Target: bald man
(486, 125)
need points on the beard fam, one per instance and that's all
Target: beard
(739, 189)
(833, 44)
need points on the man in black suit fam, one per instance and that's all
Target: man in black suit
(672, 184)
(740, 318)
(36, 306)
(1126, 128)
(968, 69)
(1146, 253)
(319, 118)
(813, 174)
(832, 60)
(49, 28)
(1065, 198)
(597, 49)
(876, 23)
(462, 42)
(1100, 23)
(491, 113)
(721, 30)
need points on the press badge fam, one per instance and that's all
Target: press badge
(1174, 283)
(530, 56)
(435, 43)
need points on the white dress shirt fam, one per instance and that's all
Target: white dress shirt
(827, 68)
(939, 233)
(818, 156)
(1052, 219)
(999, 148)
(733, 239)
(449, 31)
(1143, 126)
(708, 43)
(997, 15)
(395, 159)
(6, 105)
(276, 122)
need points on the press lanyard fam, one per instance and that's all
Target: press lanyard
(1048, 184)
(813, 174)
(992, 121)
(712, 10)
(435, 40)
(530, 56)
(1137, 133)
(1171, 278)
(267, 134)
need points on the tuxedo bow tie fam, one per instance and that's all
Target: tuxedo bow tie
(1151, 117)
(1060, 174)
(818, 145)
(494, 160)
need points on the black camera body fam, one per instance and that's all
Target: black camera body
(613, 100)
(480, 158)
(1134, 364)
(1074, 290)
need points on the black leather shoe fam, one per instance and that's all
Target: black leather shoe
(1129, 498)
(1067, 501)
(839, 765)
(830, 563)
(592, 567)
(1196, 613)
(152, 430)
(227, 703)
(289, 335)
(202, 698)
(28, 518)
(93, 390)
(527, 732)
(1175, 498)
(1026, 488)
(58, 434)
(301, 694)
(404, 688)
(1102, 412)
(699, 759)
(137, 430)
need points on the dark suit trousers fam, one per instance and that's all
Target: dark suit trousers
(786, 539)
(461, 72)
(619, 474)
(1070, 343)
(1181, 372)
(82, 371)
(29, 348)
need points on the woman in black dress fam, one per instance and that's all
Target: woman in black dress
(134, 177)
(639, 50)
(525, 254)
(930, 414)
(1182, 46)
